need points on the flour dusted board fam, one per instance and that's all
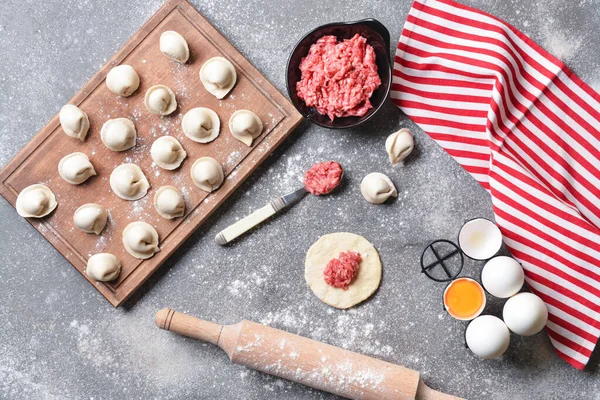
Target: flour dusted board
(38, 161)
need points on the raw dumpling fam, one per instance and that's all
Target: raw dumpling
(36, 201)
(399, 145)
(201, 125)
(129, 182)
(160, 100)
(103, 267)
(168, 202)
(140, 240)
(218, 76)
(90, 218)
(245, 126)
(74, 121)
(118, 134)
(207, 174)
(122, 80)
(75, 168)
(167, 152)
(174, 46)
(376, 188)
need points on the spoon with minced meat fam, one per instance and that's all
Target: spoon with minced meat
(319, 180)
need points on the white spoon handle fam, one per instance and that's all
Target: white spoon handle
(244, 225)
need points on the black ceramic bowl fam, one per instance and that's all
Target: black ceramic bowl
(377, 36)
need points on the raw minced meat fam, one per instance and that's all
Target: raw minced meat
(338, 78)
(323, 177)
(341, 271)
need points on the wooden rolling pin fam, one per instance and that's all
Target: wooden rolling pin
(303, 360)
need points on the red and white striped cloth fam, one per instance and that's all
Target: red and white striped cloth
(528, 130)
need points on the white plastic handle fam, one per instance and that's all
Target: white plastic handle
(244, 225)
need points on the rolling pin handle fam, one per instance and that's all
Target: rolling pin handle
(186, 325)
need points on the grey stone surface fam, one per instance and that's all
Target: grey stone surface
(60, 339)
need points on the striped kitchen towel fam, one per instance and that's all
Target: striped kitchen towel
(524, 126)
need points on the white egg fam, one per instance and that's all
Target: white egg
(525, 314)
(487, 337)
(502, 277)
(480, 239)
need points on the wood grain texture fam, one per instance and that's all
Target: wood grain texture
(38, 161)
(299, 359)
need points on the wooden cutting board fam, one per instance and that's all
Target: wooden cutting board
(38, 161)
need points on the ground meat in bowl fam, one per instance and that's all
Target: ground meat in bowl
(338, 78)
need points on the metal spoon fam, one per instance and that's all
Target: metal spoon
(236, 230)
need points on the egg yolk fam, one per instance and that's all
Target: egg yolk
(463, 298)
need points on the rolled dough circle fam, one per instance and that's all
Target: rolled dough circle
(330, 246)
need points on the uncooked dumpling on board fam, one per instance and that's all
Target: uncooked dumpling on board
(160, 100)
(174, 46)
(129, 182)
(90, 218)
(399, 145)
(36, 201)
(376, 188)
(207, 174)
(245, 126)
(169, 202)
(218, 76)
(119, 134)
(140, 240)
(122, 80)
(201, 125)
(75, 168)
(103, 267)
(167, 152)
(74, 121)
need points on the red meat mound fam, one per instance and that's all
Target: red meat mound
(341, 271)
(323, 177)
(338, 78)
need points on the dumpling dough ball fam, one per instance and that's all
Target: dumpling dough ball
(129, 182)
(167, 152)
(119, 134)
(160, 100)
(174, 46)
(103, 267)
(168, 202)
(376, 188)
(90, 218)
(140, 240)
(245, 126)
(201, 125)
(122, 80)
(218, 76)
(399, 145)
(207, 174)
(36, 201)
(74, 121)
(75, 168)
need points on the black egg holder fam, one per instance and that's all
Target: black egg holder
(445, 261)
